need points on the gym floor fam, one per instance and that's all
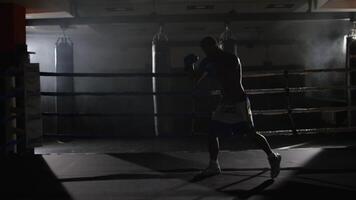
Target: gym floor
(319, 166)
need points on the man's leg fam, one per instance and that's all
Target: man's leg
(273, 158)
(213, 148)
(216, 128)
(261, 141)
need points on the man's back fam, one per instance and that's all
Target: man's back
(226, 68)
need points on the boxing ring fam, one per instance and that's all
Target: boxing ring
(287, 91)
(283, 111)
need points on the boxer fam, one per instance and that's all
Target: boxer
(233, 114)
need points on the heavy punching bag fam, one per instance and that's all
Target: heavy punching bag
(227, 41)
(161, 63)
(64, 63)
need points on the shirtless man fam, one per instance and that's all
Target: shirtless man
(233, 114)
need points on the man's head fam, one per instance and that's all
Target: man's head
(209, 45)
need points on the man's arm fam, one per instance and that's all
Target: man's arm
(239, 69)
(202, 76)
(196, 73)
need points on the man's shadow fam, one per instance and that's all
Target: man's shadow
(245, 194)
(240, 194)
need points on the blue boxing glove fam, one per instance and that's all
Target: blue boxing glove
(189, 62)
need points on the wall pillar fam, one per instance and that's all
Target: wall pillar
(12, 48)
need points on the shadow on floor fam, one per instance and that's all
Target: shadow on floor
(304, 190)
(124, 176)
(331, 174)
(245, 194)
(29, 177)
(161, 162)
